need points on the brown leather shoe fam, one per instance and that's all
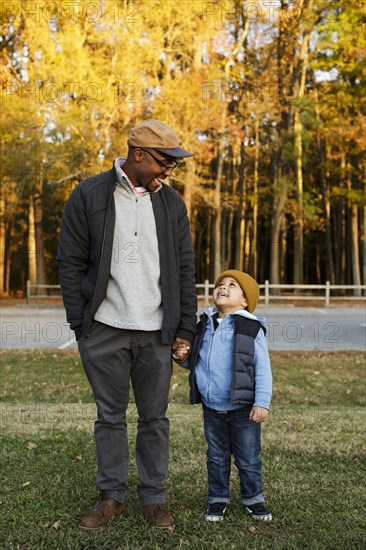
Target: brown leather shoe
(158, 516)
(103, 511)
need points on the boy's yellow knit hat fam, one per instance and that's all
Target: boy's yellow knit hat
(248, 285)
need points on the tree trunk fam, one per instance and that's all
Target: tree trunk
(299, 221)
(247, 247)
(39, 238)
(229, 232)
(7, 256)
(255, 201)
(349, 237)
(299, 88)
(343, 242)
(241, 211)
(322, 156)
(2, 245)
(325, 178)
(222, 146)
(193, 223)
(217, 208)
(209, 252)
(338, 241)
(188, 184)
(32, 264)
(279, 178)
(279, 206)
(355, 258)
(364, 245)
(344, 220)
(283, 251)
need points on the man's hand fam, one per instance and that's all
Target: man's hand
(258, 414)
(181, 350)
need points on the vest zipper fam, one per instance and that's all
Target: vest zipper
(208, 363)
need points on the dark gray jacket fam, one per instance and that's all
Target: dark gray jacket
(85, 252)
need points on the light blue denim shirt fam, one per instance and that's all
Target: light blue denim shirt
(214, 366)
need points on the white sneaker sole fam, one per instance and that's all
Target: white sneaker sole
(213, 518)
(267, 517)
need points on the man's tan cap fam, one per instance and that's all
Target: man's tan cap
(157, 135)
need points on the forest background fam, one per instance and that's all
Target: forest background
(267, 95)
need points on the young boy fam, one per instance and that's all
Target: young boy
(230, 374)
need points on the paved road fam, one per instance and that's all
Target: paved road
(289, 328)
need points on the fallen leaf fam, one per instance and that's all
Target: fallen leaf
(57, 525)
(31, 445)
(253, 529)
(79, 458)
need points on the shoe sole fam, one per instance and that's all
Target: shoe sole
(101, 526)
(263, 518)
(213, 518)
(268, 517)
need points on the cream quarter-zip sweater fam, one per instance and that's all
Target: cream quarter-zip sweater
(133, 299)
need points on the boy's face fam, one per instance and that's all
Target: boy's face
(228, 296)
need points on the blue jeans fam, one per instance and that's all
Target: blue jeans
(232, 433)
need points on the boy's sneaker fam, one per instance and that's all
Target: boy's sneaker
(215, 511)
(259, 511)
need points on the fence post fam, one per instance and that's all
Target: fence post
(207, 292)
(266, 292)
(327, 293)
(28, 290)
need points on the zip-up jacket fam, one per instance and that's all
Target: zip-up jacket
(85, 253)
(229, 363)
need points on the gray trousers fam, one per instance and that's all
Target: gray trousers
(111, 358)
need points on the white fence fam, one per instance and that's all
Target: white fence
(268, 297)
(325, 296)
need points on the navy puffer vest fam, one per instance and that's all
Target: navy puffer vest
(243, 378)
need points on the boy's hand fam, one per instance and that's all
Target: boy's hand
(258, 414)
(181, 350)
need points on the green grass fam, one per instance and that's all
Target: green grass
(313, 452)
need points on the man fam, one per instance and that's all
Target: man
(128, 285)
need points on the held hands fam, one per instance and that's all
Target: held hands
(181, 350)
(258, 414)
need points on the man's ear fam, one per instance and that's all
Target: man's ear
(137, 154)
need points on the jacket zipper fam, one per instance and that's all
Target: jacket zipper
(136, 216)
(100, 263)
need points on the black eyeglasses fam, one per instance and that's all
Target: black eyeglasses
(165, 167)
